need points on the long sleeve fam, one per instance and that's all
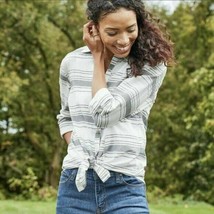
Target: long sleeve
(64, 118)
(133, 94)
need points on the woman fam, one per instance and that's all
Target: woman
(107, 91)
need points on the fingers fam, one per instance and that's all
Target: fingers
(86, 31)
(87, 28)
(92, 38)
(94, 31)
(89, 31)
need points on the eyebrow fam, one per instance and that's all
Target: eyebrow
(111, 28)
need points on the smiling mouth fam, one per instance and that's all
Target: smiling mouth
(122, 49)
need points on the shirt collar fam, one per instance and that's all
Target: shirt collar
(87, 50)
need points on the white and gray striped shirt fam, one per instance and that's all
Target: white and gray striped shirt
(108, 130)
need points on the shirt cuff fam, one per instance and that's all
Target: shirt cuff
(65, 129)
(99, 100)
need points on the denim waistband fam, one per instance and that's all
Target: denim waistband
(92, 175)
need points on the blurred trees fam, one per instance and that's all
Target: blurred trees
(36, 35)
(181, 127)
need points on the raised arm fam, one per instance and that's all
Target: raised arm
(132, 95)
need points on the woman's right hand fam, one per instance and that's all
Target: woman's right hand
(92, 39)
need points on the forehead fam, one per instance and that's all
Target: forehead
(120, 18)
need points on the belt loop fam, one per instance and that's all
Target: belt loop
(118, 178)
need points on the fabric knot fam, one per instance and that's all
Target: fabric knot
(103, 173)
(80, 180)
(92, 162)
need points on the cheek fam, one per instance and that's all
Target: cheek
(102, 36)
(106, 40)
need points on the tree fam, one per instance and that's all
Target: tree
(35, 36)
(181, 144)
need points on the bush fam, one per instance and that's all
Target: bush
(47, 193)
(26, 186)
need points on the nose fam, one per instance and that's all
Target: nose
(123, 40)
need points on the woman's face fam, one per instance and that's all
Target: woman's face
(118, 32)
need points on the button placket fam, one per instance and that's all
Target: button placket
(97, 141)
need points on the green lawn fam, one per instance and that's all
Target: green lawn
(181, 208)
(28, 207)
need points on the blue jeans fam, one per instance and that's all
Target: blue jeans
(120, 194)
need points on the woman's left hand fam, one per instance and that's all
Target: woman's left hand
(92, 39)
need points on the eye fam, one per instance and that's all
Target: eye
(111, 33)
(131, 30)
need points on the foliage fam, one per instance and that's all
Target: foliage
(36, 35)
(27, 185)
(47, 193)
(181, 130)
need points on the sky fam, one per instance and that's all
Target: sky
(168, 4)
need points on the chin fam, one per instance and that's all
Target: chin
(122, 55)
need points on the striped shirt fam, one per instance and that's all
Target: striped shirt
(108, 130)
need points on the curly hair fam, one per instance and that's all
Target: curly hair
(152, 46)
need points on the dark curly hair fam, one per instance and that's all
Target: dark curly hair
(152, 45)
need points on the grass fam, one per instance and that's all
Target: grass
(161, 207)
(181, 208)
(26, 207)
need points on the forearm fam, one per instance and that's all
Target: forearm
(67, 137)
(131, 96)
(98, 80)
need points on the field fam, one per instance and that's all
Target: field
(164, 207)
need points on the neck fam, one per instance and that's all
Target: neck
(107, 59)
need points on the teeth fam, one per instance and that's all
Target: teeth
(123, 49)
